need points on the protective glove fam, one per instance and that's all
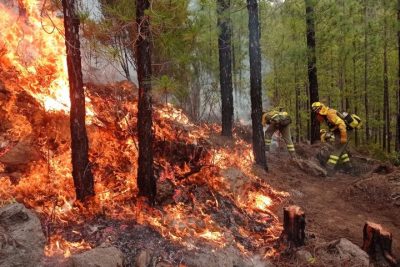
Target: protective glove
(329, 137)
(323, 138)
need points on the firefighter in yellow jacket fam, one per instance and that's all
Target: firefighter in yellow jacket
(338, 127)
(278, 121)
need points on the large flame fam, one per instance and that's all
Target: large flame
(32, 45)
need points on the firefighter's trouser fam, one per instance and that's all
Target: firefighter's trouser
(285, 132)
(339, 154)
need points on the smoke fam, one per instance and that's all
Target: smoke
(97, 64)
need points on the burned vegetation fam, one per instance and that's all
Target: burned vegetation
(196, 206)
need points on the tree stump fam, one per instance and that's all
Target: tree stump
(378, 242)
(294, 223)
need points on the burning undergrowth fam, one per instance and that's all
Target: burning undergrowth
(207, 194)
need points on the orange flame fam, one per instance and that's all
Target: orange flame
(33, 46)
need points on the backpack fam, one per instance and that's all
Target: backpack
(352, 120)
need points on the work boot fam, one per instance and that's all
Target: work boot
(348, 168)
(330, 170)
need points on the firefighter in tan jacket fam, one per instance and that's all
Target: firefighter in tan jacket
(278, 121)
(338, 128)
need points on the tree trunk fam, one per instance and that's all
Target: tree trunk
(386, 110)
(312, 67)
(195, 94)
(378, 242)
(81, 170)
(275, 99)
(398, 81)
(145, 177)
(332, 78)
(294, 224)
(355, 94)
(297, 96)
(255, 84)
(366, 71)
(225, 65)
(308, 109)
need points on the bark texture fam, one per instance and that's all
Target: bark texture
(145, 179)
(81, 170)
(312, 67)
(255, 84)
(225, 65)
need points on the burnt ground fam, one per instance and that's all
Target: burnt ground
(339, 206)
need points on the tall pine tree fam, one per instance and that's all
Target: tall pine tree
(145, 177)
(81, 171)
(312, 67)
(225, 65)
(255, 84)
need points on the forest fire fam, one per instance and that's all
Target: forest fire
(33, 47)
(200, 204)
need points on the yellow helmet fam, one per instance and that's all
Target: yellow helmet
(317, 107)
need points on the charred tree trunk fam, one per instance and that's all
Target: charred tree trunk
(398, 81)
(312, 67)
(81, 170)
(367, 134)
(378, 242)
(255, 84)
(294, 223)
(145, 177)
(225, 65)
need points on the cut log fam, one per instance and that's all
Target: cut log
(294, 223)
(378, 242)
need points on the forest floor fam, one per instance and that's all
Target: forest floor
(339, 206)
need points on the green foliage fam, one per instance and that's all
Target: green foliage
(349, 36)
(165, 85)
(341, 30)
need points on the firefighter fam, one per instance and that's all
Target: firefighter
(278, 121)
(338, 128)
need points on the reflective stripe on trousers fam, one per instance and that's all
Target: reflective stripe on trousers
(333, 159)
(290, 148)
(345, 158)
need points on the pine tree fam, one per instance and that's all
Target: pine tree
(398, 80)
(255, 84)
(312, 67)
(145, 177)
(81, 170)
(225, 65)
